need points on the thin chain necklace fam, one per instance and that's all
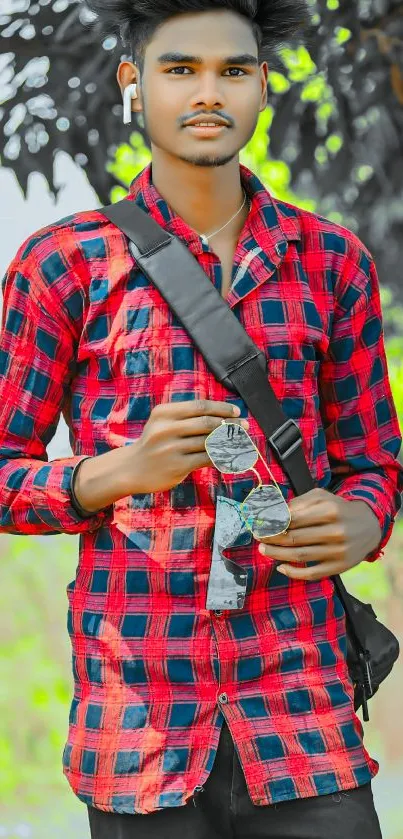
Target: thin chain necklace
(205, 238)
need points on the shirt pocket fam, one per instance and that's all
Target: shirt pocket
(295, 384)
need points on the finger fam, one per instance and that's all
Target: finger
(308, 536)
(310, 515)
(190, 445)
(196, 461)
(195, 426)
(314, 572)
(305, 553)
(197, 408)
(311, 498)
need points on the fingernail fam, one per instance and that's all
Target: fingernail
(245, 423)
(281, 569)
(236, 411)
(262, 549)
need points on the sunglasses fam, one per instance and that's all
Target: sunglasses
(232, 451)
(263, 513)
(227, 581)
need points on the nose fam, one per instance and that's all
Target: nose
(208, 93)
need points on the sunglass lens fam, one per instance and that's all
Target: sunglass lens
(229, 522)
(230, 449)
(266, 512)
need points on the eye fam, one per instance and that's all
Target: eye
(237, 70)
(178, 71)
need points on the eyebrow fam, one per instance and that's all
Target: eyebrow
(180, 58)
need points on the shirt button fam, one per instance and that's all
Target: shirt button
(218, 613)
(223, 698)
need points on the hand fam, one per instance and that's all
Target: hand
(326, 529)
(173, 443)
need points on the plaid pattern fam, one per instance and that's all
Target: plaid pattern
(85, 333)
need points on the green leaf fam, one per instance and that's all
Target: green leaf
(278, 82)
(334, 143)
(298, 63)
(342, 35)
(314, 89)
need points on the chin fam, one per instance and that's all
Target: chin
(208, 160)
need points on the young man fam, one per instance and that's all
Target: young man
(227, 723)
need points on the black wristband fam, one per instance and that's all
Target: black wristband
(85, 514)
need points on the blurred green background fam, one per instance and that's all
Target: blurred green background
(35, 659)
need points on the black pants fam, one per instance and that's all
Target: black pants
(224, 811)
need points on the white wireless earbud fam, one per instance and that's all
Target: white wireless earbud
(130, 92)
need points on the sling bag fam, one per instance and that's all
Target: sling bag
(241, 366)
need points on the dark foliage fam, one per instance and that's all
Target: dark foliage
(73, 103)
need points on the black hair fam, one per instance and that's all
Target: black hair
(273, 22)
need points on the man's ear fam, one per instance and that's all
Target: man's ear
(128, 73)
(264, 73)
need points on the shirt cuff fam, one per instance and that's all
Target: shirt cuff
(365, 489)
(85, 514)
(51, 499)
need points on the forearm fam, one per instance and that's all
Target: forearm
(35, 498)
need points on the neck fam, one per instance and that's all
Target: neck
(205, 197)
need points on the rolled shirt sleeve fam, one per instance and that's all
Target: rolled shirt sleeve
(363, 438)
(37, 349)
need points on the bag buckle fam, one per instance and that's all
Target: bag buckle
(292, 441)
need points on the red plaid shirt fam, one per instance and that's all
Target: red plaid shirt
(85, 333)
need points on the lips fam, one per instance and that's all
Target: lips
(207, 122)
(205, 125)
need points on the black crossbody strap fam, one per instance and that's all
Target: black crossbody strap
(169, 265)
(228, 350)
(283, 434)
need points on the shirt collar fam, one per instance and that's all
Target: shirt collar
(271, 224)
